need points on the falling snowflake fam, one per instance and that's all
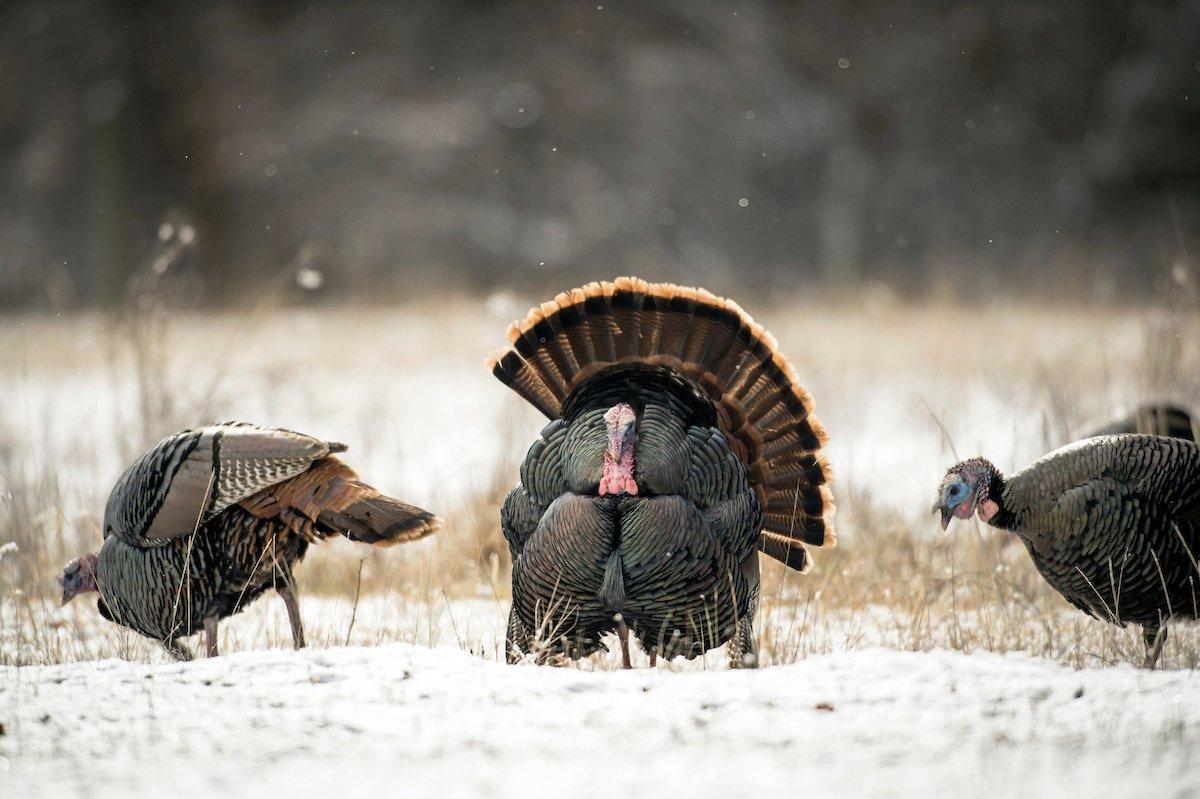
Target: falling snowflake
(1180, 273)
(309, 278)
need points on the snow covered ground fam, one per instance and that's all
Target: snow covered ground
(401, 720)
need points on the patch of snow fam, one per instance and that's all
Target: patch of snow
(405, 720)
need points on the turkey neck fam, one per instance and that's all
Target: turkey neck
(1023, 511)
(1004, 493)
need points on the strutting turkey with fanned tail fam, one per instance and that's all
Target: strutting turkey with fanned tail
(1112, 522)
(207, 520)
(680, 445)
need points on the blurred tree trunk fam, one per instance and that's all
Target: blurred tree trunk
(842, 221)
(107, 209)
(182, 132)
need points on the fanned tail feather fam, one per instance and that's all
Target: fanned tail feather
(786, 551)
(722, 352)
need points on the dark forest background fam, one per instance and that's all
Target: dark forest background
(388, 150)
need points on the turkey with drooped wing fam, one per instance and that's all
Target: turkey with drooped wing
(209, 519)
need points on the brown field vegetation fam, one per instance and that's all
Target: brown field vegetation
(904, 389)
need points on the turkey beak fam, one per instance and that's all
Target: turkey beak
(947, 515)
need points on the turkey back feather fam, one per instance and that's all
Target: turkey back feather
(713, 359)
(192, 476)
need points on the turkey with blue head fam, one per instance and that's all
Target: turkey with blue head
(1112, 521)
(680, 445)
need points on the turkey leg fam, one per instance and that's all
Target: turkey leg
(293, 610)
(623, 634)
(1155, 638)
(210, 636)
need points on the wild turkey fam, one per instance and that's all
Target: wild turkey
(680, 444)
(1112, 523)
(1158, 419)
(206, 521)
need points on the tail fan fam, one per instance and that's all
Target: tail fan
(715, 345)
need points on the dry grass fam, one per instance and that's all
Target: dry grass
(904, 390)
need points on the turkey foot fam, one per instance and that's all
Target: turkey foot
(178, 651)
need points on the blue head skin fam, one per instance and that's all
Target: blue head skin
(966, 489)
